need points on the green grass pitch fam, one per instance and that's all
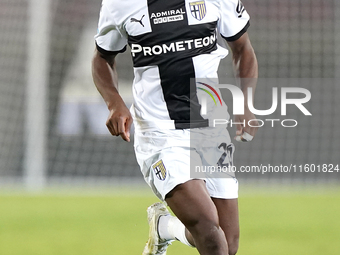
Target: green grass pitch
(115, 224)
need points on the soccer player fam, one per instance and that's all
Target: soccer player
(173, 42)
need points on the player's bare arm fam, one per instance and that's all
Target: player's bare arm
(106, 80)
(246, 72)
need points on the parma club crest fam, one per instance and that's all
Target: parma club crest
(159, 170)
(198, 9)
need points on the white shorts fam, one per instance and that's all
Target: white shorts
(166, 158)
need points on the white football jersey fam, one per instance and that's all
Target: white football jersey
(172, 43)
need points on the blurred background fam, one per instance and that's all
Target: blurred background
(52, 119)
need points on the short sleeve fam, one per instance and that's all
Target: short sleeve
(234, 19)
(109, 38)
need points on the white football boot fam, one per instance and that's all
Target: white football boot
(156, 245)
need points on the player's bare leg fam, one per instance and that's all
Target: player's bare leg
(229, 221)
(192, 204)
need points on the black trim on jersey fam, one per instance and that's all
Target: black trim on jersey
(238, 35)
(176, 67)
(107, 52)
(180, 94)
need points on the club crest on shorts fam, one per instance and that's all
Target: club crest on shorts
(198, 9)
(159, 170)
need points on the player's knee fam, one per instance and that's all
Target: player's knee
(211, 237)
(201, 226)
(233, 250)
(233, 245)
(209, 234)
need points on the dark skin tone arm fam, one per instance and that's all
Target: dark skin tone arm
(246, 72)
(106, 80)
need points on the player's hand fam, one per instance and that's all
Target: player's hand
(246, 133)
(119, 122)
